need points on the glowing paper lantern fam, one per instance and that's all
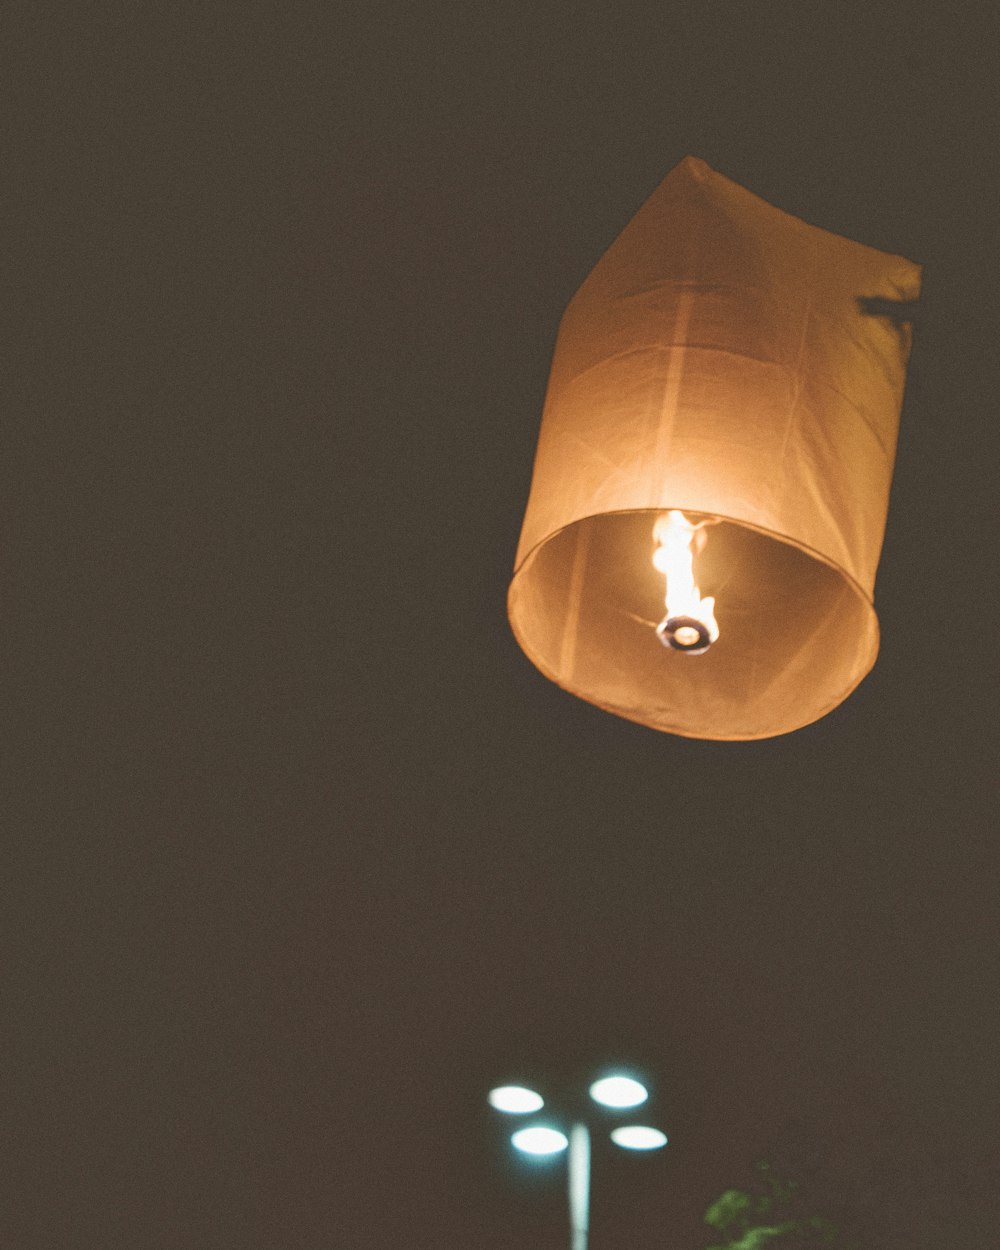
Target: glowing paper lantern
(720, 425)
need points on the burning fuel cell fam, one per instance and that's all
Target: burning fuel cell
(689, 625)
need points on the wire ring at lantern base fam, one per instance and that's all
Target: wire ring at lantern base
(684, 633)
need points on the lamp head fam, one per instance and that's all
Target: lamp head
(515, 1099)
(638, 1137)
(539, 1139)
(618, 1092)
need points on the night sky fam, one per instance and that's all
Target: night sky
(300, 853)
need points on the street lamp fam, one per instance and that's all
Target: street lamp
(615, 1092)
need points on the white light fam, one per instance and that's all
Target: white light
(538, 1140)
(618, 1091)
(515, 1099)
(638, 1137)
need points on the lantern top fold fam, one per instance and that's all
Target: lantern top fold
(717, 364)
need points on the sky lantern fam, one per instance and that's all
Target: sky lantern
(712, 475)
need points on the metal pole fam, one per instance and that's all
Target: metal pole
(579, 1186)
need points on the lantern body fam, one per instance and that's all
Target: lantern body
(716, 361)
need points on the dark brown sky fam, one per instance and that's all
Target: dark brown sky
(300, 853)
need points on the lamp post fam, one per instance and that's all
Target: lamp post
(615, 1092)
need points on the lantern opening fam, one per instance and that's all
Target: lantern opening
(690, 625)
(586, 604)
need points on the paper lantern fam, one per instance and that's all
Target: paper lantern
(720, 424)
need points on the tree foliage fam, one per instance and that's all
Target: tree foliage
(771, 1215)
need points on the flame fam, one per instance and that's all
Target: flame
(676, 540)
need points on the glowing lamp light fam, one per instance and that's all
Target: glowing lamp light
(638, 1137)
(615, 1091)
(721, 381)
(618, 1092)
(540, 1140)
(515, 1099)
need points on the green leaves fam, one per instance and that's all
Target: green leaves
(733, 1206)
(755, 1238)
(767, 1217)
